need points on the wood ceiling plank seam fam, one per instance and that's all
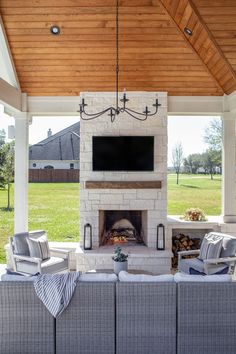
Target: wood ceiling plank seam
(199, 42)
(192, 22)
(186, 16)
(180, 10)
(215, 43)
(230, 84)
(216, 3)
(162, 2)
(71, 3)
(197, 30)
(174, 6)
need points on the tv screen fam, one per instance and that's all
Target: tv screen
(123, 153)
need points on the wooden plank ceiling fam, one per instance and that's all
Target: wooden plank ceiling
(155, 52)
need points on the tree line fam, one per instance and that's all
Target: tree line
(208, 162)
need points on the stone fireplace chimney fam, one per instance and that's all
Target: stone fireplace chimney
(137, 192)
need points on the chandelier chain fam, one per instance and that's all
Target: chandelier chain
(113, 112)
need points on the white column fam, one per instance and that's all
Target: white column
(228, 163)
(21, 172)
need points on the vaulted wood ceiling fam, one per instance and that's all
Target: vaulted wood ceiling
(155, 52)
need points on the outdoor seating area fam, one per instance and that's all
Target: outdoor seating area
(128, 278)
(134, 314)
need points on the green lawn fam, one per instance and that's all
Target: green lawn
(197, 191)
(54, 207)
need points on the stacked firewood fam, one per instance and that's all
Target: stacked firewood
(183, 242)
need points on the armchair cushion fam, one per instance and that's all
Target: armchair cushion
(51, 265)
(198, 265)
(211, 246)
(228, 246)
(20, 243)
(38, 246)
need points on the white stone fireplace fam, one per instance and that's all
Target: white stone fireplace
(133, 202)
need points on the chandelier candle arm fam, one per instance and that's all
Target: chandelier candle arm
(114, 112)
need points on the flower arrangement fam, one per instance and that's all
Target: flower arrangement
(194, 214)
(119, 256)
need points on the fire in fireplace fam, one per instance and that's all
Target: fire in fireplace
(121, 227)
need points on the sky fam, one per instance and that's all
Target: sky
(188, 130)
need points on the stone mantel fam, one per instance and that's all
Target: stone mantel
(123, 184)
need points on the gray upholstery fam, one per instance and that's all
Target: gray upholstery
(184, 266)
(87, 326)
(39, 247)
(206, 318)
(20, 241)
(228, 246)
(26, 327)
(21, 245)
(146, 318)
(32, 265)
(50, 266)
(210, 260)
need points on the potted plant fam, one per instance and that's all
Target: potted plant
(120, 260)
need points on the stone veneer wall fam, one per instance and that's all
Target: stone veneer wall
(154, 201)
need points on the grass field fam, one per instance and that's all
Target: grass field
(194, 191)
(54, 207)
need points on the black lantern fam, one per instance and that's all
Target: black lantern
(87, 236)
(160, 237)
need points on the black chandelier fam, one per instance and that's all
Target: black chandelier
(113, 112)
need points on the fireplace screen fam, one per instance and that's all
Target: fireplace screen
(121, 227)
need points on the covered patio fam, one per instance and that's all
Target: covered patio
(45, 74)
(57, 57)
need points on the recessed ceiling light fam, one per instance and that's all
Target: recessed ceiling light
(188, 31)
(55, 30)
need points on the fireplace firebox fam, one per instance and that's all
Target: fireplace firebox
(122, 227)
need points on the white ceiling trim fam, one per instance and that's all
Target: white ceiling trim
(177, 105)
(7, 71)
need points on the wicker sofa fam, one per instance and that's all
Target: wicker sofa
(121, 317)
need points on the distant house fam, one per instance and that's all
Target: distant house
(56, 159)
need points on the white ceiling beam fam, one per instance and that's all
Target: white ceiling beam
(195, 105)
(177, 105)
(10, 96)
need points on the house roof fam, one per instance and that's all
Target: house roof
(156, 54)
(64, 145)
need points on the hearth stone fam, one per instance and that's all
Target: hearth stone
(140, 258)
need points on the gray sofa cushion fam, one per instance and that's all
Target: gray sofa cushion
(181, 277)
(20, 243)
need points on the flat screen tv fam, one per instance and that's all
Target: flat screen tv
(123, 153)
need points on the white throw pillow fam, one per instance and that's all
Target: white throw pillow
(103, 277)
(128, 277)
(183, 277)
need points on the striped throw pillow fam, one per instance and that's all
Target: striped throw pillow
(211, 246)
(38, 247)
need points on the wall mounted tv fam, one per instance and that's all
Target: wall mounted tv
(123, 153)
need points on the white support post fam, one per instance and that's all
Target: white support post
(228, 162)
(21, 172)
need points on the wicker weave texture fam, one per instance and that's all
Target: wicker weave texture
(207, 318)
(146, 318)
(87, 326)
(26, 326)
